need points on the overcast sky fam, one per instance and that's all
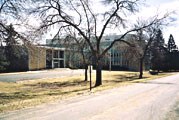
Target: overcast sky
(165, 6)
(153, 7)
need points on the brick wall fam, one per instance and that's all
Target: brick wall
(37, 58)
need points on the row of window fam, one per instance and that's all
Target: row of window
(58, 63)
(115, 54)
(58, 54)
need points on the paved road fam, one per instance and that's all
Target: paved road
(56, 73)
(141, 101)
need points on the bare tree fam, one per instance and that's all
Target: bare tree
(82, 46)
(80, 15)
(141, 43)
(144, 39)
(130, 54)
(11, 13)
(81, 49)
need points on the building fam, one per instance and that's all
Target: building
(42, 57)
(117, 58)
(57, 54)
(25, 58)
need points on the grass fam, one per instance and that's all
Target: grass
(29, 93)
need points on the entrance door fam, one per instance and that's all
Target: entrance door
(56, 65)
(61, 64)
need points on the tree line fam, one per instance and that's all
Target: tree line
(164, 57)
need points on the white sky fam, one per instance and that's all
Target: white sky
(151, 8)
(165, 6)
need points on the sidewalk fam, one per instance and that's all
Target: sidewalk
(31, 75)
(35, 71)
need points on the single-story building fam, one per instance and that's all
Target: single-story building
(42, 57)
(25, 58)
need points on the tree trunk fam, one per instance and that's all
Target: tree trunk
(141, 68)
(98, 74)
(86, 72)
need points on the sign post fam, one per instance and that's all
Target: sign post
(90, 77)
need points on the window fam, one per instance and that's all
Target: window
(61, 54)
(55, 54)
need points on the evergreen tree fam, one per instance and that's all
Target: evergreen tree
(173, 54)
(159, 40)
(3, 61)
(171, 44)
(14, 53)
(158, 52)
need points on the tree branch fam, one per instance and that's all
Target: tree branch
(155, 21)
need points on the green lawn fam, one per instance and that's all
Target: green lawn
(29, 93)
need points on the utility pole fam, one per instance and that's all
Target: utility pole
(90, 78)
(110, 58)
(110, 61)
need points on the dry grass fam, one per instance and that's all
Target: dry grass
(23, 94)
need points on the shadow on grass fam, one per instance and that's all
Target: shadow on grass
(43, 89)
(57, 85)
(123, 78)
(17, 96)
(7, 97)
(65, 92)
(154, 82)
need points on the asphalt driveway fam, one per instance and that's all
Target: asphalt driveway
(31, 75)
